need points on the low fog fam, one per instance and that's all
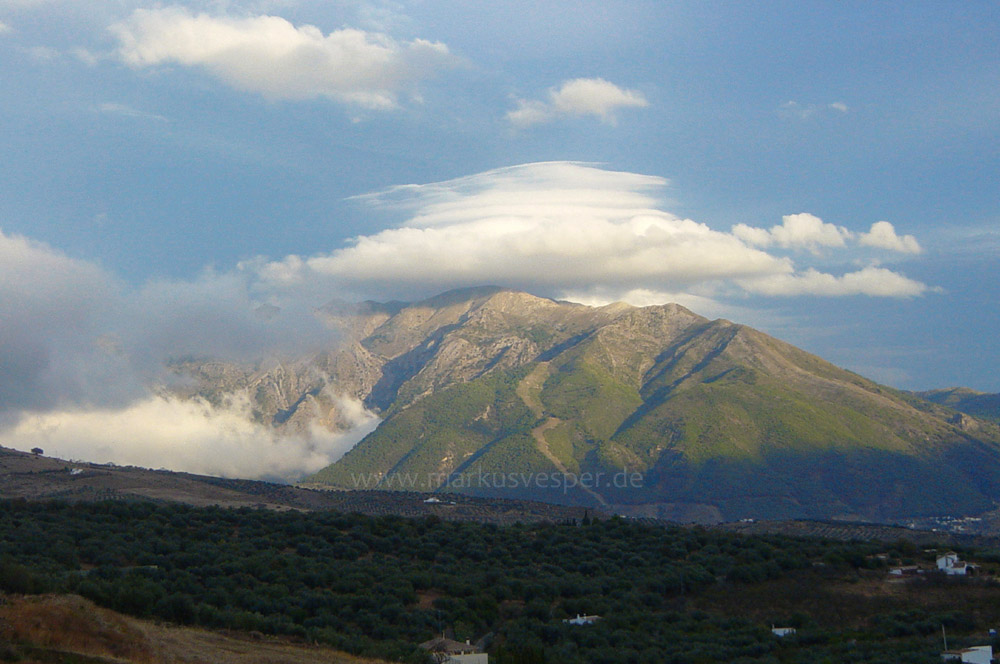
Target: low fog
(84, 367)
(191, 435)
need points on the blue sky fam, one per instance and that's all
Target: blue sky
(825, 172)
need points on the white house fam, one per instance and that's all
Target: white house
(449, 651)
(782, 631)
(973, 655)
(952, 565)
(582, 620)
(906, 570)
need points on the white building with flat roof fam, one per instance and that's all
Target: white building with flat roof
(972, 655)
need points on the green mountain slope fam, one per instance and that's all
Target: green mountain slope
(964, 400)
(651, 411)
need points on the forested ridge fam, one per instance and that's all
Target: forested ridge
(378, 586)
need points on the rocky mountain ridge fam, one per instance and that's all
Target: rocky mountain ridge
(716, 418)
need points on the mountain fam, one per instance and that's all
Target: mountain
(964, 400)
(652, 411)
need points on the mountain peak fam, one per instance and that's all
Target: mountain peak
(714, 417)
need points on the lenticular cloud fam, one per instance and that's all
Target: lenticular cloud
(560, 227)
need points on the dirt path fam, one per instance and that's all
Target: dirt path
(529, 390)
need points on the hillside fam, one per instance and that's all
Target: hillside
(32, 477)
(651, 411)
(69, 628)
(964, 400)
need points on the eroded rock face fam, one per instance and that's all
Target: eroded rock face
(391, 355)
(964, 422)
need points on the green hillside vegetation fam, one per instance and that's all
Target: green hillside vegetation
(964, 400)
(438, 434)
(378, 586)
(714, 416)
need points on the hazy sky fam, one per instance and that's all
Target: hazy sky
(826, 172)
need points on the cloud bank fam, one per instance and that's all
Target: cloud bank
(187, 435)
(575, 97)
(270, 56)
(83, 367)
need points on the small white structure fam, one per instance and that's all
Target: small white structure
(449, 651)
(582, 620)
(973, 655)
(952, 565)
(905, 570)
(782, 631)
(432, 500)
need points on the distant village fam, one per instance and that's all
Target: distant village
(947, 564)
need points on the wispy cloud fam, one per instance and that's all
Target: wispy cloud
(124, 110)
(579, 96)
(5, 29)
(43, 53)
(871, 281)
(793, 110)
(270, 56)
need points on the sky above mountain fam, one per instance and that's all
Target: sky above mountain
(172, 172)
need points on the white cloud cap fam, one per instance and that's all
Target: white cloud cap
(578, 96)
(883, 236)
(563, 227)
(270, 56)
(543, 226)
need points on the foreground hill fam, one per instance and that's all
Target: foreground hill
(69, 628)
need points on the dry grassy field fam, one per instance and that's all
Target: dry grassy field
(55, 628)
